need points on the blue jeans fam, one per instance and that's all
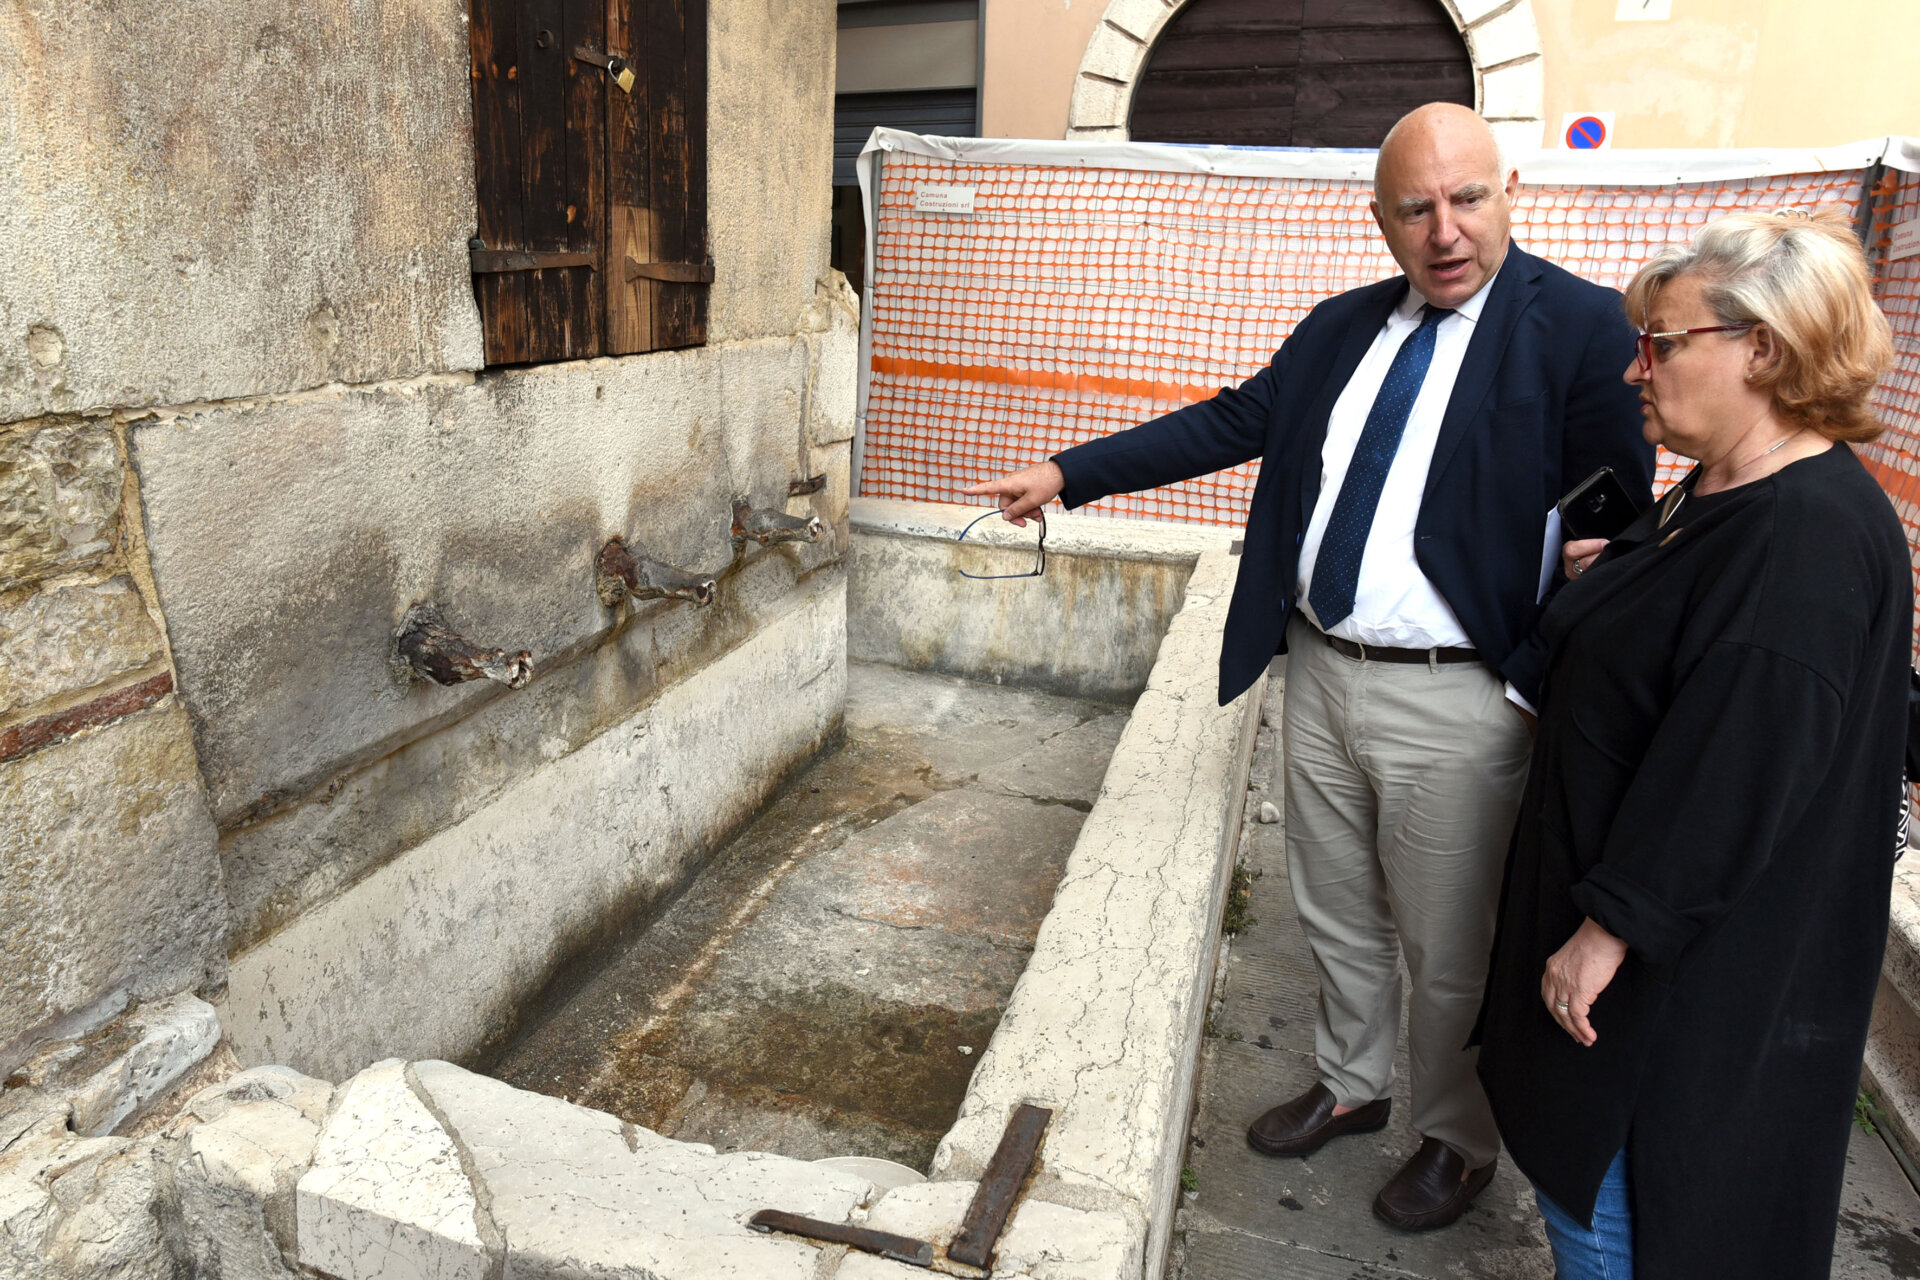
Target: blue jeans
(1604, 1253)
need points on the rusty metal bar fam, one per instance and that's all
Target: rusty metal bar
(495, 261)
(801, 488)
(915, 1253)
(670, 272)
(999, 1187)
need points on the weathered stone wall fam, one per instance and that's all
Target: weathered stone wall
(769, 162)
(239, 355)
(1106, 1022)
(291, 535)
(215, 199)
(441, 945)
(109, 880)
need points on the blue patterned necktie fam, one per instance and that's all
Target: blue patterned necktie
(1336, 571)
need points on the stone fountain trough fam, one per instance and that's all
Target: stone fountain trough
(424, 1170)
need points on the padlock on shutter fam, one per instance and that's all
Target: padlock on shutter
(615, 65)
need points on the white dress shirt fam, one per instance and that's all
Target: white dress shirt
(1394, 604)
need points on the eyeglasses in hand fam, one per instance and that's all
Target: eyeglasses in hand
(1039, 564)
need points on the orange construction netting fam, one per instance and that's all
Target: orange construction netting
(1895, 456)
(1077, 301)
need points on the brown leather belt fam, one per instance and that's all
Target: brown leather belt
(1380, 653)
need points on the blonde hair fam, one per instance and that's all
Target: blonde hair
(1804, 277)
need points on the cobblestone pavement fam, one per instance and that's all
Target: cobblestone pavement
(1311, 1219)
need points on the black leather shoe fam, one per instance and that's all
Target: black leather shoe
(1429, 1190)
(1304, 1125)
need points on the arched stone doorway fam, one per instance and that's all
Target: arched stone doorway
(1294, 74)
(1137, 40)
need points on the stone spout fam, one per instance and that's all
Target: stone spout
(621, 575)
(426, 648)
(767, 526)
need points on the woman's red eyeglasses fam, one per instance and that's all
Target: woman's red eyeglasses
(1643, 346)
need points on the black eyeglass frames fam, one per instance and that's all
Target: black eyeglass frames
(1040, 555)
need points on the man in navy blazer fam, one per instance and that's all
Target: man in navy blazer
(1413, 436)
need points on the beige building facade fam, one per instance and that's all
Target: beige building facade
(1716, 73)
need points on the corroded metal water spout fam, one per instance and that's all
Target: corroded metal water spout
(620, 575)
(426, 647)
(767, 526)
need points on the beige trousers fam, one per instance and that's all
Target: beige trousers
(1402, 784)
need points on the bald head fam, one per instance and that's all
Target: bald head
(1443, 198)
(1438, 127)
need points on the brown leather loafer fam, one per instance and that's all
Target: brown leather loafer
(1304, 1125)
(1429, 1190)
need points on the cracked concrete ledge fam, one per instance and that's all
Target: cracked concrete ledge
(1892, 1067)
(124, 1065)
(1105, 1024)
(1110, 537)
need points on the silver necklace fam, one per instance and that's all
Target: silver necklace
(1680, 495)
(1763, 453)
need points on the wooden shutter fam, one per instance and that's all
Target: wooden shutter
(540, 170)
(658, 267)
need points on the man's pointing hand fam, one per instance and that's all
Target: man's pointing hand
(1024, 492)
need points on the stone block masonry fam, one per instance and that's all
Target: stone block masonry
(232, 200)
(74, 636)
(109, 873)
(59, 498)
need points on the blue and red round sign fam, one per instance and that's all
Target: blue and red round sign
(1588, 133)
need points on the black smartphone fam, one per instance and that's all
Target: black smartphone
(1597, 507)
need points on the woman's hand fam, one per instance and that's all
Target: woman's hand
(1577, 557)
(1576, 975)
(1023, 492)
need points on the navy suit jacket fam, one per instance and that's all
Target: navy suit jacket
(1538, 406)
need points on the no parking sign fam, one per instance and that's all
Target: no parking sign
(1587, 130)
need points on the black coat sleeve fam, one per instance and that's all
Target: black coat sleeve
(1197, 440)
(1748, 735)
(1601, 429)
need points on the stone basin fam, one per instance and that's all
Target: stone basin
(1006, 889)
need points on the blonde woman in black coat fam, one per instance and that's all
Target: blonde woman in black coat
(1696, 902)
